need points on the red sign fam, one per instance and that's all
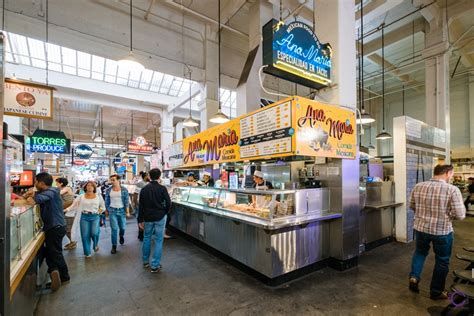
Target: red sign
(134, 148)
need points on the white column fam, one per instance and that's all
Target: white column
(471, 114)
(249, 93)
(178, 130)
(208, 105)
(166, 130)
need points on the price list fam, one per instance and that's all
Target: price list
(266, 132)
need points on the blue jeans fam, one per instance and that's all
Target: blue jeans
(89, 231)
(117, 221)
(156, 231)
(442, 246)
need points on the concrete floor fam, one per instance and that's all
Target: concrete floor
(195, 282)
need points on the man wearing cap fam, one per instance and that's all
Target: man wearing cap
(207, 180)
(259, 182)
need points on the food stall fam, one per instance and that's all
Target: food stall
(281, 232)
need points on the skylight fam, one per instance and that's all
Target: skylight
(32, 52)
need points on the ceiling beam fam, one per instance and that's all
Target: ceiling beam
(376, 8)
(195, 90)
(458, 32)
(394, 36)
(230, 9)
(393, 70)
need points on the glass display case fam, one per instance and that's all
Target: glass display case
(25, 225)
(264, 204)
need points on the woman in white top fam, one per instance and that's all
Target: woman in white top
(91, 205)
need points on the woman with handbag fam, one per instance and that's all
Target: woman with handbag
(91, 205)
(67, 197)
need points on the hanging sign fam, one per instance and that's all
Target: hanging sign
(83, 151)
(293, 52)
(323, 130)
(44, 141)
(173, 156)
(216, 145)
(28, 99)
(140, 146)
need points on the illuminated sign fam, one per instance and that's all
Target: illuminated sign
(83, 151)
(44, 141)
(140, 146)
(293, 52)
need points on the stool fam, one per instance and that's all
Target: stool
(463, 275)
(463, 303)
(470, 249)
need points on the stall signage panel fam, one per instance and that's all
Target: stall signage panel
(173, 156)
(83, 151)
(267, 132)
(139, 146)
(28, 100)
(324, 130)
(216, 145)
(44, 141)
(293, 52)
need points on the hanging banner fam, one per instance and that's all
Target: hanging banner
(139, 146)
(293, 52)
(83, 151)
(216, 145)
(28, 99)
(323, 130)
(173, 156)
(44, 141)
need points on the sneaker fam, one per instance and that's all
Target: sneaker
(114, 250)
(442, 296)
(65, 280)
(413, 285)
(156, 270)
(88, 256)
(146, 265)
(55, 280)
(96, 249)
(122, 240)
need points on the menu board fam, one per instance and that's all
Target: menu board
(266, 132)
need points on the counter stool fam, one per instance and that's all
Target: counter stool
(463, 276)
(470, 249)
(467, 257)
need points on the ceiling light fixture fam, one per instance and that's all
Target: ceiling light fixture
(384, 134)
(129, 62)
(219, 117)
(100, 138)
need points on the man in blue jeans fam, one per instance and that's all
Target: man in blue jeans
(154, 205)
(116, 204)
(436, 204)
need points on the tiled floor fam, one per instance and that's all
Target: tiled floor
(194, 282)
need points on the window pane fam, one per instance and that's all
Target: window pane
(146, 79)
(20, 48)
(83, 60)
(111, 67)
(37, 53)
(69, 56)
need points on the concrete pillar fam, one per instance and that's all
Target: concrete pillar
(471, 113)
(166, 129)
(208, 105)
(249, 93)
(14, 124)
(335, 24)
(178, 130)
(437, 76)
(140, 163)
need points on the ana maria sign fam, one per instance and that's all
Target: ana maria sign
(293, 52)
(44, 141)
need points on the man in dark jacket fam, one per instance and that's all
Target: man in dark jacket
(154, 205)
(54, 227)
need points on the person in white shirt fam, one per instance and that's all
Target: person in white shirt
(91, 205)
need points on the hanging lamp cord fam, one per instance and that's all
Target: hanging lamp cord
(362, 54)
(131, 26)
(219, 55)
(383, 80)
(47, 41)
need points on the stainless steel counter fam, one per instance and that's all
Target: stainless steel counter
(264, 223)
(382, 205)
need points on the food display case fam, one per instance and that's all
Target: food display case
(273, 232)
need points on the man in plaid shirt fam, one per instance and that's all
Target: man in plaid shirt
(436, 204)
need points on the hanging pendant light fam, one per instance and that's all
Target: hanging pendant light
(100, 137)
(384, 134)
(129, 62)
(219, 117)
(365, 117)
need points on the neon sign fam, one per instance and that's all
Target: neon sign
(44, 141)
(293, 52)
(83, 151)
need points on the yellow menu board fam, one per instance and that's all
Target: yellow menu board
(217, 144)
(291, 127)
(323, 130)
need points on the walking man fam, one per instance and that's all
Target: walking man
(436, 204)
(154, 205)
(116, 203)
(54, 227)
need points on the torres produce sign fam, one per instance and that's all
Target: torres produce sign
(216, 145)
(293, 52)
(28, 99)
(44, 141)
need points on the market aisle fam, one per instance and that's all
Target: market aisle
(195, 282)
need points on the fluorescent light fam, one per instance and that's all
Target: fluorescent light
(383, 135)
(189, 122)
(219, 118)
(130, 63)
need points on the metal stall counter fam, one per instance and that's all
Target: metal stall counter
(272, 232)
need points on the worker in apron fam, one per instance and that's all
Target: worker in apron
(259, 183)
